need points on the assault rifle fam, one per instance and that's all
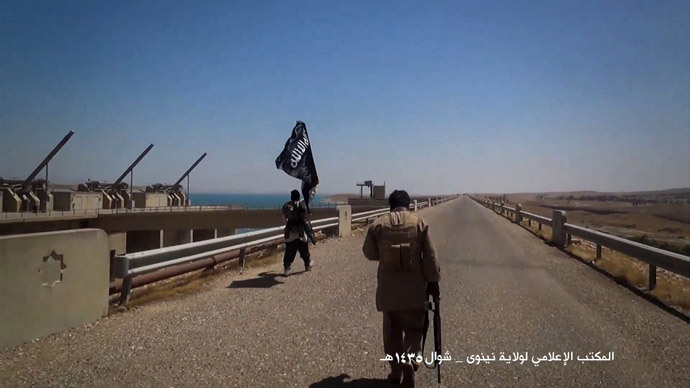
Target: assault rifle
(310, 231)
(434, 305)
(299, 214)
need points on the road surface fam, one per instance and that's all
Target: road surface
(503, 290)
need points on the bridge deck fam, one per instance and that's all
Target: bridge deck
(503, 290)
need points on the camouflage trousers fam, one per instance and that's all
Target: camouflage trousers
(402, 334)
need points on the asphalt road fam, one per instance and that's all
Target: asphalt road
(503, 290)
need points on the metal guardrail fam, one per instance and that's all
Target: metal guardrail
(127, 266)
(670, 261)
(654, 257)
(536, 218)
(369, 214)
(364, 216)
(152, 209)
(159, 209)
(140, 262)
(95, 212)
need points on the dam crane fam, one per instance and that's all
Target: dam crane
(176, 192)
(117, 194)
(30, 194)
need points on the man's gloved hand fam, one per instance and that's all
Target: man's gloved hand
(433, 290)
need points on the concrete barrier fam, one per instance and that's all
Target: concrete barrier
(518, 214)
(50, 282)
(558, 235)
(344, 220)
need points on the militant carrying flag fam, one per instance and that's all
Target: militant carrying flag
(297, 161)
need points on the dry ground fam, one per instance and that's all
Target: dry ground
(667, 222)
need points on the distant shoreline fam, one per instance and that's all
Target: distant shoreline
(249, 200)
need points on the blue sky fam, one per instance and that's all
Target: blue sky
(502, 96)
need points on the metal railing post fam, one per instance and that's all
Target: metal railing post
(242, 257)
(126, 290)
(598, 251)
(518, 217)
(652, 277)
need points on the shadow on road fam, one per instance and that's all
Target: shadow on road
(339, 381)
(265, 280)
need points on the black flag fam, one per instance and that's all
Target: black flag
(297, 161)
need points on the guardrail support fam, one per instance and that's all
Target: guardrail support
(518, 216)
(242, 257)
(558, 237)
(652, 277)
(344, 220)
(598, 251)
(126, 290)
(415, 205)
(429, 202)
